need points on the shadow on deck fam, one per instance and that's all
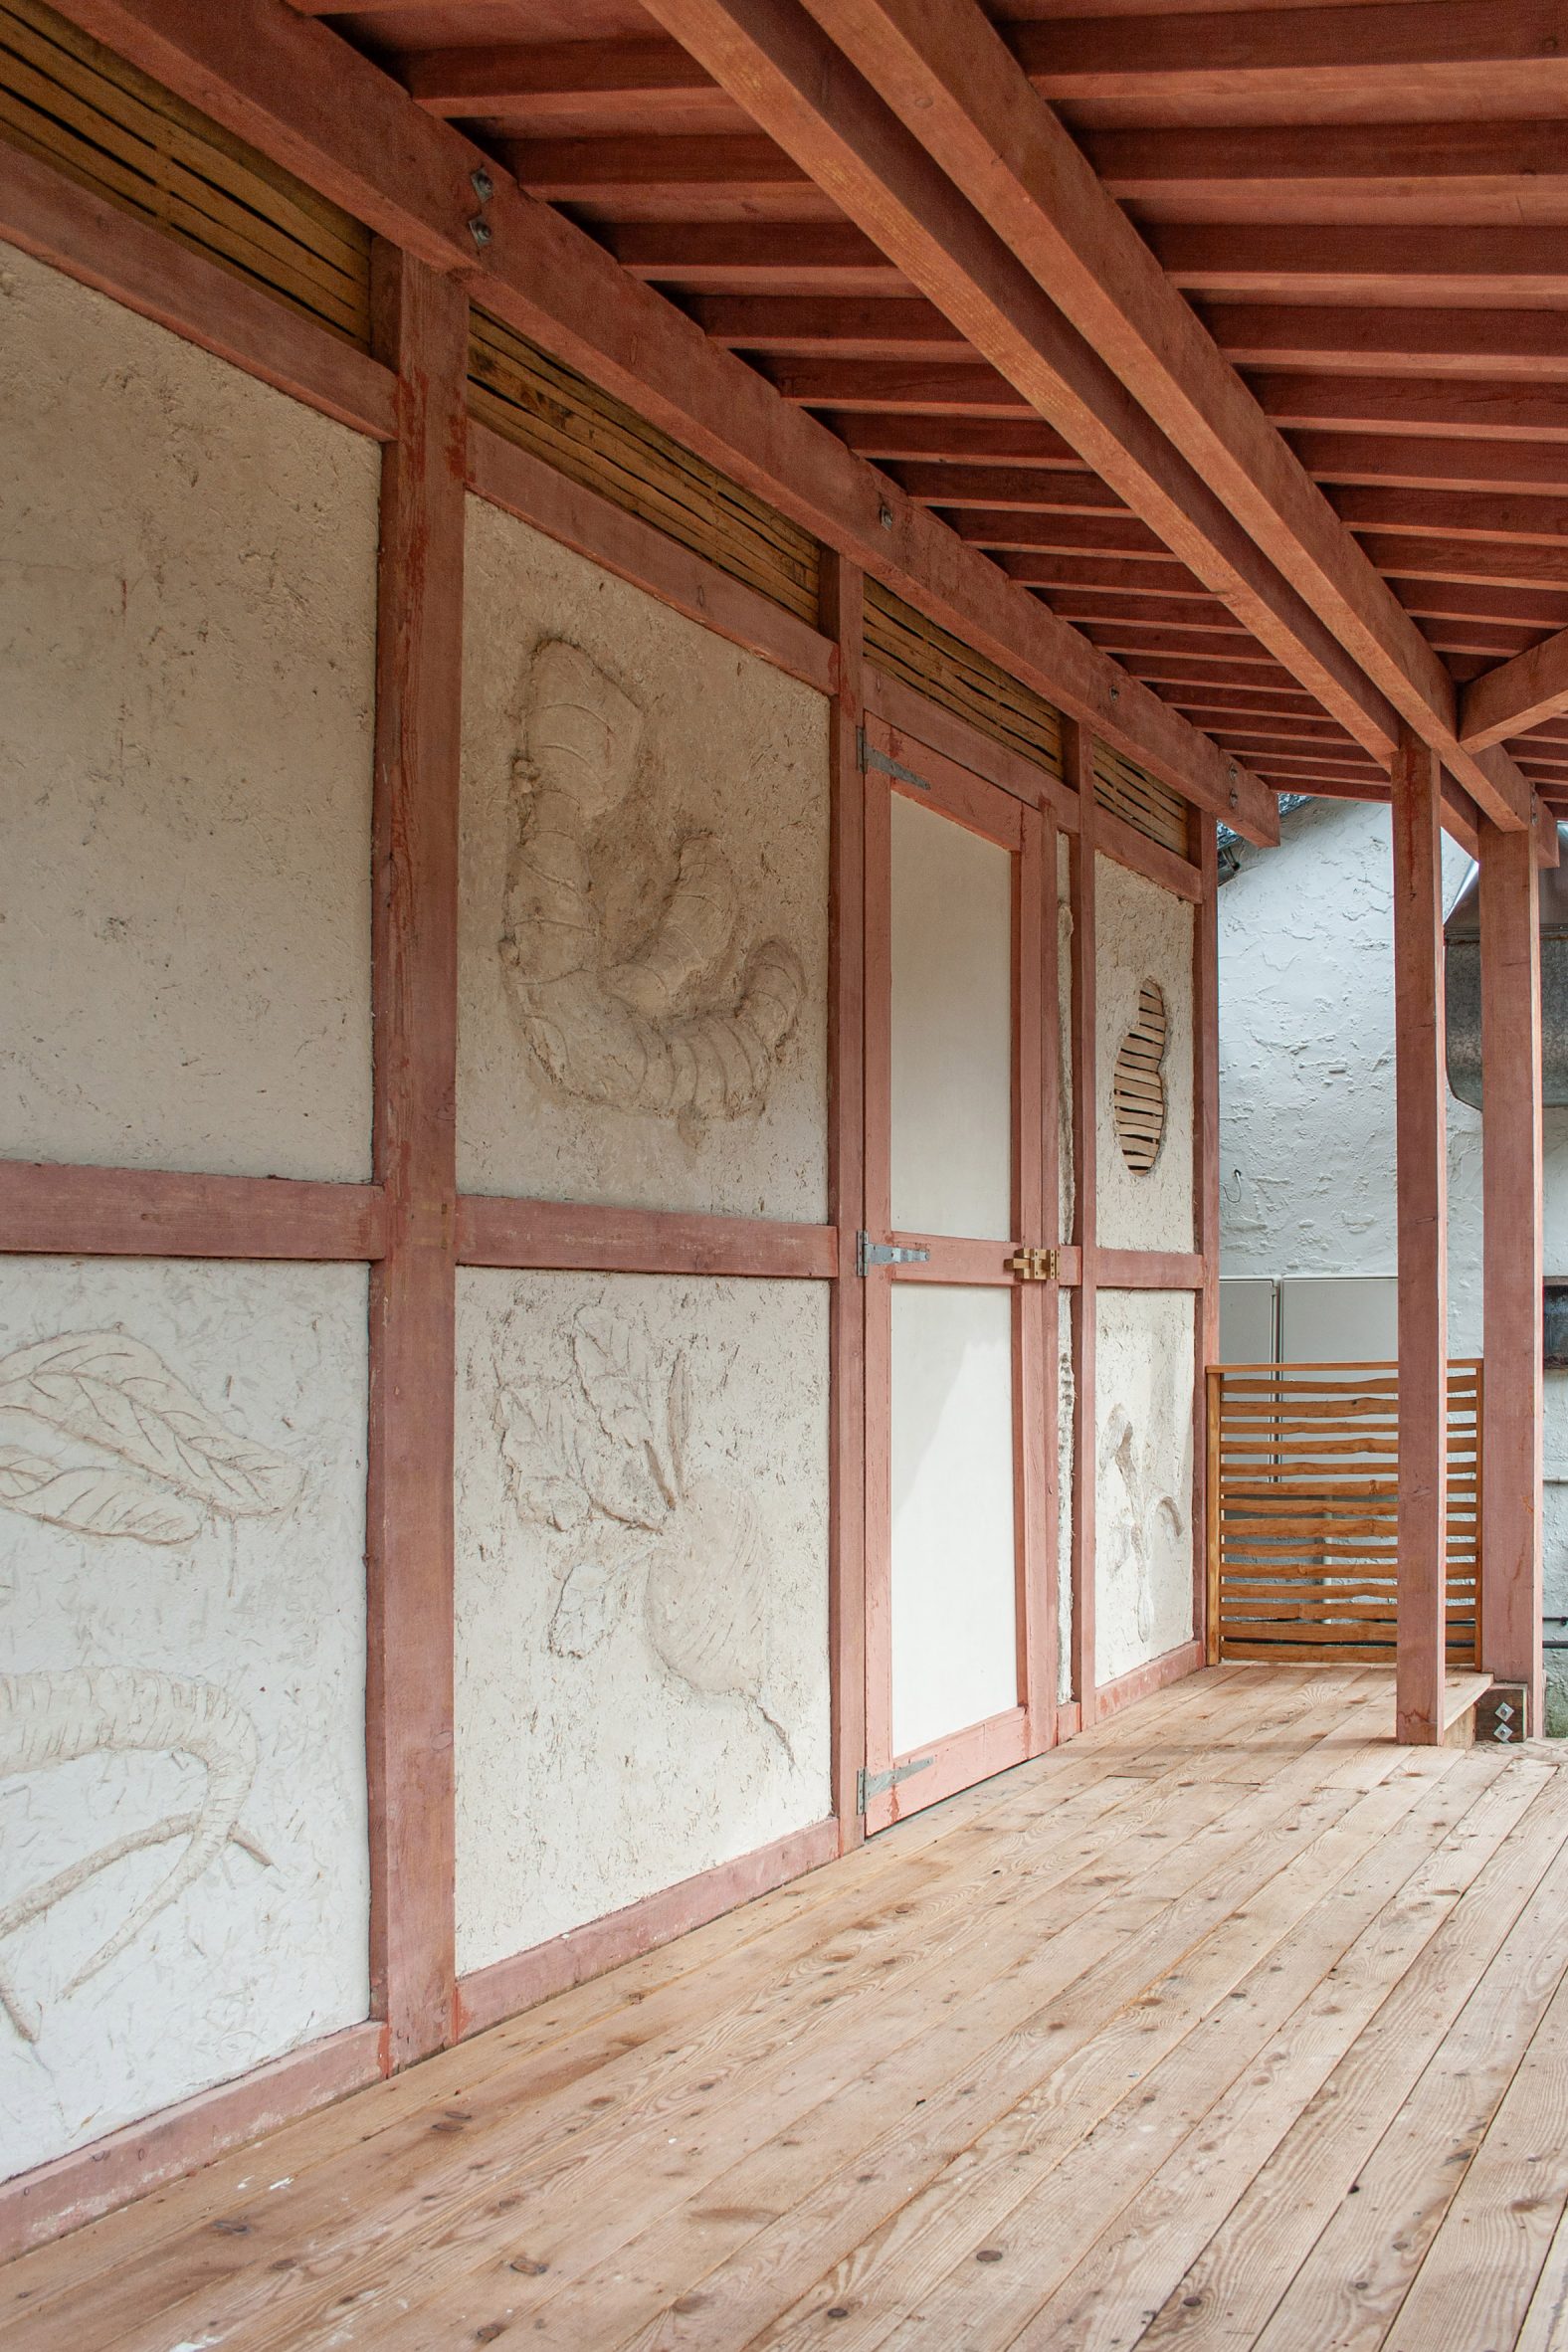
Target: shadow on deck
(1229, 2025)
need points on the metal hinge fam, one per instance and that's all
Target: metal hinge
(1033, 1265)
(869, 1253)
(871, 757)
(876, 1784)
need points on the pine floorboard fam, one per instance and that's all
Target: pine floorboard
(1227, 2026)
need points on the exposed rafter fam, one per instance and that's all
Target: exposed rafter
(951, 77)
(345, 128)
(1521, 694)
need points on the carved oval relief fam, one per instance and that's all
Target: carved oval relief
(1137, 1082)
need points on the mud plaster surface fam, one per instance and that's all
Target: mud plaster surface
(187, 636)
(1143, 933)
(730, 749)
(642, 1588)
(1143, 1477)
(266, 1608)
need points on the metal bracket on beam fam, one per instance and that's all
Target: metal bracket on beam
(876, 1784)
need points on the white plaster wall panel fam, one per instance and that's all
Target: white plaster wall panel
(1067, 1187)
(187, 634)
(645, 898)
(1141, 933)
(1066, 1392)
(182, 1470)
(953, 1602)
(642, 1589)
(1143, 1477)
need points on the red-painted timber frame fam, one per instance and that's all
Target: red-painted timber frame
(413, 1228)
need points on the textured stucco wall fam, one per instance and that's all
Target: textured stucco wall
(642, 1492)
(1143, 932)
(603, 965)
(187, 636)
(1143, 1476)
(1307, 1091)
(182, 1467)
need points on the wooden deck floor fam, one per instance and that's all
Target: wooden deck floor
(1229, 2025)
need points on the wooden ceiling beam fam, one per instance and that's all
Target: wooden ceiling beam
(1333, 261)
(829, 326)
(1082, 605)
(1149, 634)
(1534, 520)
(1334, 338)
(1127, 575)
(1415, 460)
(1409, 556)
(1474, 601)
(680, 168)
(795, 84)
(1519, 695)
(950, 75)
(496, 79)
(1068, 534)
(1262, 54)
(751, 256)
(938, 439)
(959, 388)
(1166, 672)
(1035, 490)
(304, 97)
(1214, 695)
(1430, 404)
(1407, 169)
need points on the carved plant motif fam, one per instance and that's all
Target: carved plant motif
(616, 1456)
(662, 1014)
(57, 1718)
(146, 1461)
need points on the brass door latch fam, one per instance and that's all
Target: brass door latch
(1033, 1265)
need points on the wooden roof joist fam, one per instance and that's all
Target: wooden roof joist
(1335, 261)
(1014, 213)
(1388, 56)
(1466, 171)
(300, 94)
(943, 69)
(1490, 410)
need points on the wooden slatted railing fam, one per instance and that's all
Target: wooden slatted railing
(1303, 1501)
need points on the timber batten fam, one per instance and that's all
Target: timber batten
(594, 439)
(77, 106)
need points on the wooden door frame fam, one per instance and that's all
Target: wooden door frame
(919, 773)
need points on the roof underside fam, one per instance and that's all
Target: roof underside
(1365, 204)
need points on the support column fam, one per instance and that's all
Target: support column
(1205, 1206)
(843, 613)
(1422, 1165)
(1511, 1514)
(1078, 769)
(422, 332)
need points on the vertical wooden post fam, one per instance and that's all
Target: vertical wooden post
(1420, 1099)
(843, 603)
(1511, 1391)
(1206, 1211)
(1033, 1355)
(1077, 768)
(1045, 1671)
(421, 320)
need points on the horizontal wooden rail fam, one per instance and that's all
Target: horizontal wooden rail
(1304, 1511)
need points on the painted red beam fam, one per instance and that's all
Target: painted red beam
(89, 1212)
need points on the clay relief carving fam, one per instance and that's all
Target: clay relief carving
(1151, 1519)
(58, 1719)
(133, 1455)
(609, 1466)
(1137, 1085)
(634, 989)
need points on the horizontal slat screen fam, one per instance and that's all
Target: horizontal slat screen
(1304, 1511)
(909, 646)
(1140, 800)
(558, 416)
(76, 104)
